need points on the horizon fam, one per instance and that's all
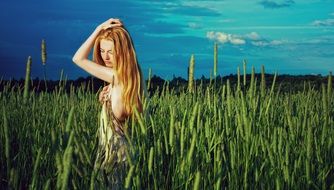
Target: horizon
(88, 77)
(286, 36)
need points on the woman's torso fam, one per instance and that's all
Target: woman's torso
(116, 101)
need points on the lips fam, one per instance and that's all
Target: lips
(108, 64)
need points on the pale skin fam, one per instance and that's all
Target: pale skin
(107, 72)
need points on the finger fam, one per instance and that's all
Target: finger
(102, 97)
(111, 26)
(120, 24)
(107, 26)
(113, 20)
(118, 21)
(115, 25)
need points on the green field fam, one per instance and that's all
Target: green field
(236, 137)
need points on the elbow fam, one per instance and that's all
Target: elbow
(78, 59)
(75, 59)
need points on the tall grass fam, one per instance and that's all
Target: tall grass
(27, 80)
(253, 137)
(191, 70)
(43, 58)
(215, 59)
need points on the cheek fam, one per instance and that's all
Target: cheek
(111, 57)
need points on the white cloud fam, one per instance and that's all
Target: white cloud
(218, 36)
(222, 37)
(252, 38)
(225, 38)
(327, 22)
(237, 41)
(332, 14)
(210, 35)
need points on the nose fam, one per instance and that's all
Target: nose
(107, 56)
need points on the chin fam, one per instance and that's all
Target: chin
(109, 65)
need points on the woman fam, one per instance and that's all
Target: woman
(114, 61)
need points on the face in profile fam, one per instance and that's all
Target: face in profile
(107, 52)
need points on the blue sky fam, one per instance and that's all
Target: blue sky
(287, 36)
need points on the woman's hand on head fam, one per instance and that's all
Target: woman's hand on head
(112, 22)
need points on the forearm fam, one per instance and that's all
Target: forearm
(80, 58)
(84, 50)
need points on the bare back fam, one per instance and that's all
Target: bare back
(117, 104)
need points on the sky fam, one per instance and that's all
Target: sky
(286, 36)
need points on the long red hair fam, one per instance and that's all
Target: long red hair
(127, 68)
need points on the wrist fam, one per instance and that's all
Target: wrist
(98, 29)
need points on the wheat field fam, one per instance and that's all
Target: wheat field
(248, 136)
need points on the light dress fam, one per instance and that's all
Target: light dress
(111, 154)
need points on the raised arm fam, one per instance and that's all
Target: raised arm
(81, 56)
